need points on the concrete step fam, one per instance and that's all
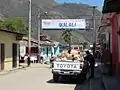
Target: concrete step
(111, 83)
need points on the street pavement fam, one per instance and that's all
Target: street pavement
(39, 77)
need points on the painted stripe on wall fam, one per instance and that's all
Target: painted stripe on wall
(115, 39)
(119, 36)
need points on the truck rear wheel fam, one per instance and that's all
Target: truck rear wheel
(55, 78)
(81, 78)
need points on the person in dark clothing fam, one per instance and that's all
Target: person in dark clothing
(41, 60)
(51, 61)
(89, 57)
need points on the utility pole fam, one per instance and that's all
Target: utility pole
(94, 29)
(29, 34)
(39, 26)
(39, 31)
(94, 22)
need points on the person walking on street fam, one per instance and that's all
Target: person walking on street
(89, 57)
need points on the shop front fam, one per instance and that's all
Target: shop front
(111, 17)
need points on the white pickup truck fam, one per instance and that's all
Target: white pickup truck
(67, 68)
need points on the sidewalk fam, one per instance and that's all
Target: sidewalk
(109, 82)
(24, 66)
(5, 72)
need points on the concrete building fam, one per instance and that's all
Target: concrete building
(111, 23)
(9, 49)
(48, 47)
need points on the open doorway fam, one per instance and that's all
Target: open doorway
(2, 56)
(14, 55)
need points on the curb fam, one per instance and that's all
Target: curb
(90, 88)
(104, 84)
(110, 83)
(11, 71)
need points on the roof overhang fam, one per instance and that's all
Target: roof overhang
(12, 32)
(111, 6)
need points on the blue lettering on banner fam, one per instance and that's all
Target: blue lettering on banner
(67, 25)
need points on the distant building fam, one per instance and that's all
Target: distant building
(48, 48)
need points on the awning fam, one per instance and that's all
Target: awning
(111, 6)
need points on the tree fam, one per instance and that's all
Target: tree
(67, 36)
(84, 44)
(1, 23)
(14, 24)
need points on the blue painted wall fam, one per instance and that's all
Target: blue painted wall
(56, 50)
(46, 51)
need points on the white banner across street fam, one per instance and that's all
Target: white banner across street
(63, 24)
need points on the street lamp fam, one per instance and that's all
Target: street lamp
(29, 34)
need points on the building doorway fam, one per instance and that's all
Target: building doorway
(14, 55)
(2, 56)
